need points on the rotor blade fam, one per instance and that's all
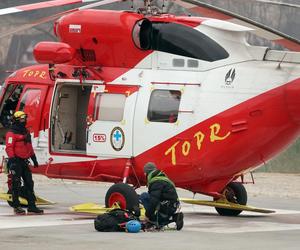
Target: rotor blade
(279, 3)
(260, 30)
(99, 3)
(55, 16)
(41, 5)
(35, 23)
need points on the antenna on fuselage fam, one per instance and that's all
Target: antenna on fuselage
(279, 64)
(131, 5)
(162, 7)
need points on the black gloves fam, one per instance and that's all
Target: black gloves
(34, 160)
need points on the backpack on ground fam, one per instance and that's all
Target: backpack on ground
(113, 221)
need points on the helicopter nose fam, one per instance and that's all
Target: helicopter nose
(292, 96)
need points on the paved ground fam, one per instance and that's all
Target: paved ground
(204, 229)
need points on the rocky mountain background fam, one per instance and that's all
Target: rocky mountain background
(16, 42)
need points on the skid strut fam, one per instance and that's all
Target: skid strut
(128, 165)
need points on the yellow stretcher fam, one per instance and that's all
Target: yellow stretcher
(23, 201)
(92, 208)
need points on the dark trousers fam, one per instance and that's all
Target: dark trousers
(19, 171)
(165, 210)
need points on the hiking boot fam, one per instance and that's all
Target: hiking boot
(178, 218)
(19, 211)
(35, 210)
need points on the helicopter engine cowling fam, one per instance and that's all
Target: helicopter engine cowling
(102, 37)
(53, 52)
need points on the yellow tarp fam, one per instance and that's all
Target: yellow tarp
(39, 200)
(96, 209)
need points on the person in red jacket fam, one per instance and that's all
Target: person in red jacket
(19, 150)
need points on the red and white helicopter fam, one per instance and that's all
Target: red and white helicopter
(122, 88)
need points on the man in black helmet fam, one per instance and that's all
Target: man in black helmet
(161, 202)
(19, 150)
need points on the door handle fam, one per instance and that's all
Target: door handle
(87, 135)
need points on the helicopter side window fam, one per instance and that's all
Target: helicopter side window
(30, 103)
(184, 41)
(109, 107)
(164, 106)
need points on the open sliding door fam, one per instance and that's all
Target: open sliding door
(69, 117)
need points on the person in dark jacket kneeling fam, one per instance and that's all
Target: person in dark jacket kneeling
(161, 201)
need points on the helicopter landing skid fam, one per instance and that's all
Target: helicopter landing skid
(226, 204)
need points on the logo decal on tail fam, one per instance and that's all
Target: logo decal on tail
(229, 78)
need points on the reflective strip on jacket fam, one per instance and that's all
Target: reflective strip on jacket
(159, 177)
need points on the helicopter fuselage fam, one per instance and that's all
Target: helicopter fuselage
(189, 94)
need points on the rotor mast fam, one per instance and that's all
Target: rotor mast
(149, 9)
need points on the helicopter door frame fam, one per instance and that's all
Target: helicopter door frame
(68, 116)
(111, 119)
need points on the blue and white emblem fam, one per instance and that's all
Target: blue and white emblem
(117, 138)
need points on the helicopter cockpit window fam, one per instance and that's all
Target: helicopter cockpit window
(109, 107)
(9, 103)
(164, 106)
(8, 106)
(30, 103)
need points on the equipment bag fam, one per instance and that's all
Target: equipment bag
(113, 221)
